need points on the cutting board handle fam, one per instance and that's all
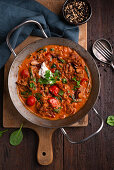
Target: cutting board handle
(45, 150)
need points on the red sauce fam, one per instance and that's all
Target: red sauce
(60, 93)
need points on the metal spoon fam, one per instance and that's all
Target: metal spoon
(103, 51)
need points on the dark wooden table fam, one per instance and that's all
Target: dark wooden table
(97, 153)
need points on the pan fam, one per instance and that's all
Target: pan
(13, 74)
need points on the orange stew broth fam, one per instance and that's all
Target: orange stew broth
(72, 83)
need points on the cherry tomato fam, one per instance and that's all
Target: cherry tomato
(84, 79)
(53, 70)
(48, 56)
(30, 101)
(54, 90)
(25, 73)
(54, 102)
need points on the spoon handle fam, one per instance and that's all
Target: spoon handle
(112, 64)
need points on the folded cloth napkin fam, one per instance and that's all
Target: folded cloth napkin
(13, 12)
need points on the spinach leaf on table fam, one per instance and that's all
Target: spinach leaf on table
(16, 137)
(110, 120)
(1, 132)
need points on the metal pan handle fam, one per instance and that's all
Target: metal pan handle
(85, 139)
(18, 26)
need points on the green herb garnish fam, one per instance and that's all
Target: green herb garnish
(42, 81)
(68, 91)
(31, 74)
(38, 96)
(110, 120)
(77, 82)
(27, 93)
(16, 137)
(60, 98)
(53, 65)
(2, 132)
(58, 78)
(57, 110)
(61, 93)
(64, 81)
(87, 71)
(49, 79)
(63, 61)
(74, 78)
(52, 49)
(70, 96)
(32, 85)
(57, 73)
(47, 74)
(76, 100)
(34, 79)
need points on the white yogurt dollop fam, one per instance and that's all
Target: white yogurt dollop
(43, 70)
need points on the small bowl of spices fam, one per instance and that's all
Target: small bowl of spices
(76, 12)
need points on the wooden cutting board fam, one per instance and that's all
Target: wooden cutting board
(11, 117)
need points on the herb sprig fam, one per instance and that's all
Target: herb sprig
(50, 78)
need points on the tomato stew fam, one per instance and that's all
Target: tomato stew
(54, 82)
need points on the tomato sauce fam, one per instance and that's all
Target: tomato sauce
(62, 90)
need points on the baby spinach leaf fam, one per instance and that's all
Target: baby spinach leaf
(64, 81)
(53, 65)
(16, 137)
(110, 120)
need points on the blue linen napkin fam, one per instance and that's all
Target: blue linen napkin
(13, 12)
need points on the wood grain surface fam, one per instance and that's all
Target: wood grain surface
(97, 153)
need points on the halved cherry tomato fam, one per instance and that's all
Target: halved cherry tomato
(53, 70)
(48, 56)
(84, 79)
(54, 90)
(54, 102)
(30, 101)
(25, 73)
